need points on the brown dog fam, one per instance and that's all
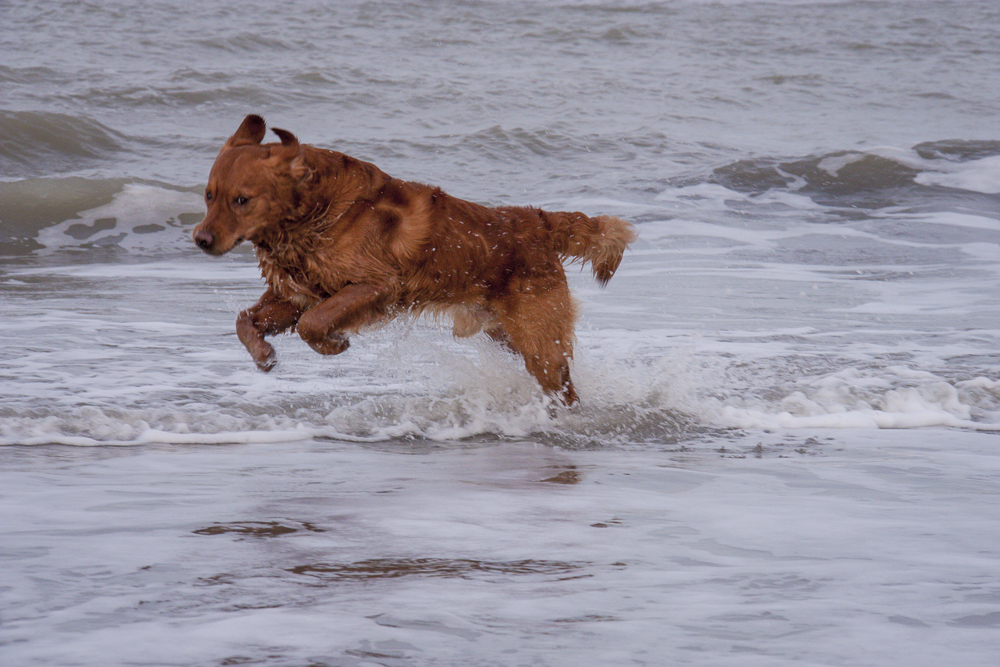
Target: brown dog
(342, 245)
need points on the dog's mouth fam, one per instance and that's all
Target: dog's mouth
(210, 245)
(218, 250)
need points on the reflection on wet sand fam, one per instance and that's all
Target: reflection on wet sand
(258, 528)
(569, 475)
(459, 568)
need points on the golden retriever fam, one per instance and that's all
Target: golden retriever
(342, 245)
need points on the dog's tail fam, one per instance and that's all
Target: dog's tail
(600, 240)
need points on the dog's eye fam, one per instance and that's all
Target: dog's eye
(208, 196)
(242, 201)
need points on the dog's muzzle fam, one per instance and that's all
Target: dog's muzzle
(204, 240)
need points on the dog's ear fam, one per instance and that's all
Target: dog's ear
(290, 151)
(250, 131)
(288, 139)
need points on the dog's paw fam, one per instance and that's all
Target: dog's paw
(333, 343)
(267, 360)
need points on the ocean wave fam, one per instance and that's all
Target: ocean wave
(174, 91)
(896, 397)
(246, 42)
(31, 75)
(48, 214)
(517, 143)
(34, 143)
(872, 179)
(958, 150)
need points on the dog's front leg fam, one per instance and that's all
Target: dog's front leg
(323, 325)
(269, 316)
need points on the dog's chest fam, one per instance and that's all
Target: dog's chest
(292, 275)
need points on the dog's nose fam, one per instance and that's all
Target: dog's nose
(203, 239)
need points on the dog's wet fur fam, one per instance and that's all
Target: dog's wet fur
(343, 246)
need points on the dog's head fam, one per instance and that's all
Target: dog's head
(251, 186)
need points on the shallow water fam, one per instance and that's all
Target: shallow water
(786, 448)
(833, 548)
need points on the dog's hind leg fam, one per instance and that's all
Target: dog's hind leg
(499, 335)
(323, 325)
(539, 326)
(268, 317)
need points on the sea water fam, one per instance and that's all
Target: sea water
(786, 450)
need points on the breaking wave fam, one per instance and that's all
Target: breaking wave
(43, 215)
(874, 178)
(33, 143)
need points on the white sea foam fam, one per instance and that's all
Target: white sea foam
(430, 388)
(981, 175)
